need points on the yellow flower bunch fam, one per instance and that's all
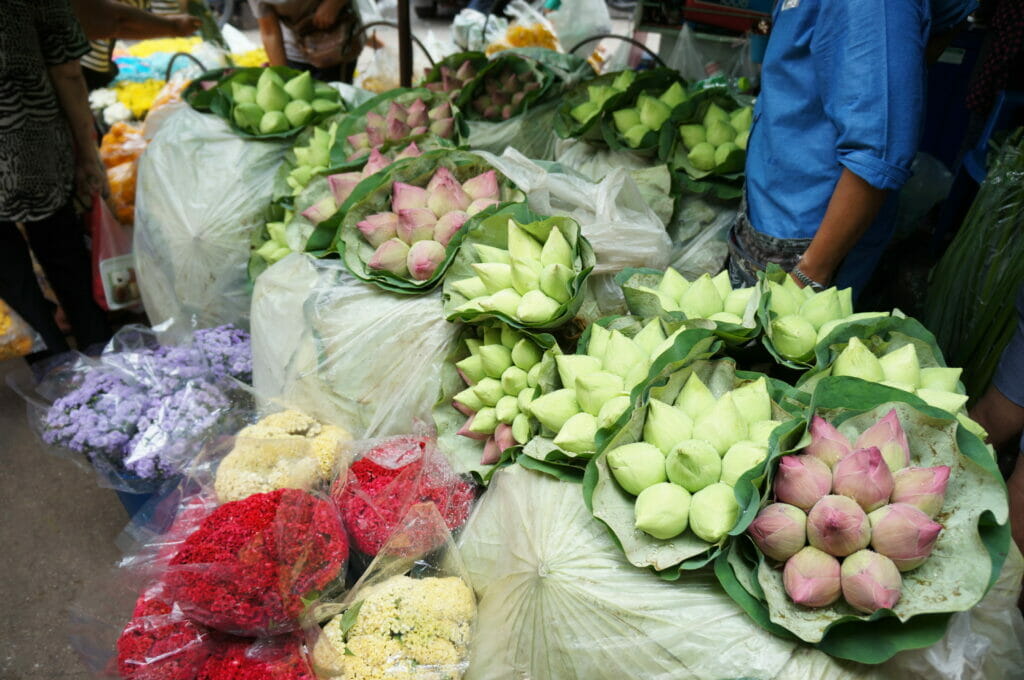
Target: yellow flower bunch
(15, 336)
(533, 35)
(138, 97)
(147, 48)
(257, 57)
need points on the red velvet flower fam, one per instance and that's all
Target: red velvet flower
(247, 568)
(391, 478)
(159, 643)
(274, 659)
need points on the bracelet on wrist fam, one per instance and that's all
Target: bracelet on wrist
(807, 280)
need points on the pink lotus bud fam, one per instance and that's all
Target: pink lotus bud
(802, 481)
(424, 258)
(445, 194)
(466, 432)
(837, 525)
(390, 256)
(531, 87)
(492, 112)
(518, 98)
(503, 437)
(887, 436)
(440, 112)
(376, 136)
(924, 488)
(375, 120)
(397, 130)
(376, 127)
(377, 229)
(864, 477)
(417, 131)
(360, 141)
(484, 185)
(416, 115)
(444, 127)
(396, 111)
(448, 225)
(377, 161)
(779, 530)
(500, 99)
(870, 581)
(343, 184)
(506, 112)
(416, 225)
(435, 86)
(321, 210)
(904, 534)
(408, 197)
(492, 452)
(459, 406)
(441, 176)
(411, 151)
(479, 205)
(811, 578)
(510, 82)
(449, 83)
(827, 444)
(466, 71)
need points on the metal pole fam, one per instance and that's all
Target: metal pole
(404, 44)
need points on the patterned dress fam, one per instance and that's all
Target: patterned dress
(37, 161)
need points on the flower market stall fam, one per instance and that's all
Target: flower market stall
(501, 413)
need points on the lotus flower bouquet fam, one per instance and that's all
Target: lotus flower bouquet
(519, 267)
(505, 87)
(451, 74)
(639, 127)
(873, 514)
(582, 106)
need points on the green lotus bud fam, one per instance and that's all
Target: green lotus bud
(491, 336)
(472, 368)
(942, 379)
(722, 425)
(469, 399)
(666, 426)
(637, 375)
(492, 255)
(525, 275)
(761, 431)
(271, 97)
(495, 359)
(273, 122)
(573, 366)
(713, 512)
(743, 139)
(521, 430)
(495, 276)
(673, 284)
(554, 282)
(525, 354)
(846, 301)
(794, 337)
(693, 464)
(740, 457)
(901, 366)
(724, 151)
(725, 317)
(536, 307)
(753, 401)
(722, 283)
(667, 343)
(742, 119)
(554, 408)
(556, 250)
(972, 426)
(506, 301)
(300, 87)
(593, 390)
(623, 355)
(473, 345)
(650, 337)
(781, 301)
(636, 466)
(470, 288)
(243, 94)
(577, 434)
(715, 113)
(513, 380)
(298, 112)
(248, 115)
(507, 409)
(533, 375)
(597, 346)
(626, 119)
(702, 156)
(624, 80)
(611, 411)
(522, 246)
(653, 113)
(484, 421)
(510, 336)
(662, 510)
(947, 401)
(634, 136)
(857, 361)
(799, 294)
(701, 299)
(525, 398)
(822, 308)
(673, 96)
(489, 391)
(692, 135)
(695, 399)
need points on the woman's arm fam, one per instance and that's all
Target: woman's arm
(273, 40)
(107, 19)
(68, 83)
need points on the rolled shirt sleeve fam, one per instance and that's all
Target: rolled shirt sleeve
(870, 68)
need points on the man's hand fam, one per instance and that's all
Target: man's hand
(184, 24)
(90, 178)
(327, 13)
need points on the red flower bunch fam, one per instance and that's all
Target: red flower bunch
(159, 643)
(388, 480)
(248, 566)
(277, 659)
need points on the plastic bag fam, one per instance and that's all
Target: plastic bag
(411, 615)
(122, 180)
(202, 192)
(17, 338)
(344, 351)
(577, 20)
(114, 284)
(700, 232)
(697, 57)
(473, 30)
(377, 70)
(929, 184)
(532, 133)
(529, 28)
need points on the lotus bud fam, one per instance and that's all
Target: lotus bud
(419, 131)
(416, 115)
(377, 229)
(972, 426)
(870, 581)
(782, 302)
(662, 510)
(556, 250)
(461, 408)
(424, 258)
(488, 391)
(857, 361)
(470, 288)
(411, 151)
(650, 337)
(525, 354)
(722, 425)
(636, 466)
(779, 530)
(321, 210)
(343, 184)
(440, 112)
(695, 399)
(376, 161)
(522, 246)
(396, 129)
(505, 301)
(622, 356)
(902, 366)
(536, 307)
(554, 281)
(470, 400)
(794, 337)
(736, 302)
(666, 426)
(947, 401)
(941, 379)
(573, 366)
(597, 346)
(467, 431)
(510, 336)
(521, 430)
(577, 434)
(472, 369)
(496, 358)
(741, 457)
(492, 254)
(838, 525)
(495, 276)
(376, 136)
(673, 284)
(513, 380)
(408, 197)
(863, 476)
(827, 443)
(595, 389)
(533, 375)
(761, 432)
(444, 128)
(479, 205)
(722, 284)
(811, 578)
(446, 195)
(924, 488)
(612, 410)
(390, 256)
(753, 401)
(416, 225)
(713, 512)
(887, 436)
(447, 226)
(701, 299)
(483, 422)
(525, 275)
(802, 481)
(822, 308)
(526, 397)
(359, 142)
(693, 464)
(484, 185)
(507, 409)
(904, 534)
(554, 408)
(491, 453)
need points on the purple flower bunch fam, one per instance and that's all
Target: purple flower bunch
(228, 351)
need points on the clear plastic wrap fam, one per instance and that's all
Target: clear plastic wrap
(202, 191)
(17, 338)
(344, 351)
(528, 28)
(411, 615)
(700, 232)
(123, 143)
(576, 21)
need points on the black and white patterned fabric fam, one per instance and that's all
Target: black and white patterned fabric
(36, 152)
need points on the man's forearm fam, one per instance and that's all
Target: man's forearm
(73, 96)
(273, 40)
(108, 19)
(851, 210)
